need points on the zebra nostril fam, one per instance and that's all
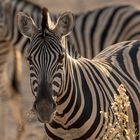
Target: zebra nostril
(53, 105)
(34, 106)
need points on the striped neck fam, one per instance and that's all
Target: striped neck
(70, 99)
(78, 106)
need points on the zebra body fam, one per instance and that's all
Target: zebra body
(102, 27)
(9, 28)
(70, 92)
(11, 39)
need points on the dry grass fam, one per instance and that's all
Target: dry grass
(122, 128)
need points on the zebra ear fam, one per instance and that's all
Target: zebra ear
(64, 24)
(26, 25)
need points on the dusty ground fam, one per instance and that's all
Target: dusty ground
(33, 129)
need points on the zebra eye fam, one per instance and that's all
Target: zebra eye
(60, 59)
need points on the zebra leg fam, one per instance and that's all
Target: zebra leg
(15, 104)
(15, 100)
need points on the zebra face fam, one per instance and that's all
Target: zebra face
(46, 60)
(46, 72)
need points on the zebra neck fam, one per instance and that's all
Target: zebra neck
(79, 105)
(67, 79)
(71, 99)
(68, 90)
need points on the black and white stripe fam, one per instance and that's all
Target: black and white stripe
(9, 28)
(79, 87)
(97, 29)
(90, 87)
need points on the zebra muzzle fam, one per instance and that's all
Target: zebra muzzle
(44, 110)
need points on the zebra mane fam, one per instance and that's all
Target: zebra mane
(47, 22)
(44, 24)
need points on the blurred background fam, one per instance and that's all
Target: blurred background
(79, 5)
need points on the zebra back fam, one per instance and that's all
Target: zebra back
(97, 29)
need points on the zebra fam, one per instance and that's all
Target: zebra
(99, 28)
(8, 28)
(70, 92)
(9, 31)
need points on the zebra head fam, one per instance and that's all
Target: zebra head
(46, 56)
